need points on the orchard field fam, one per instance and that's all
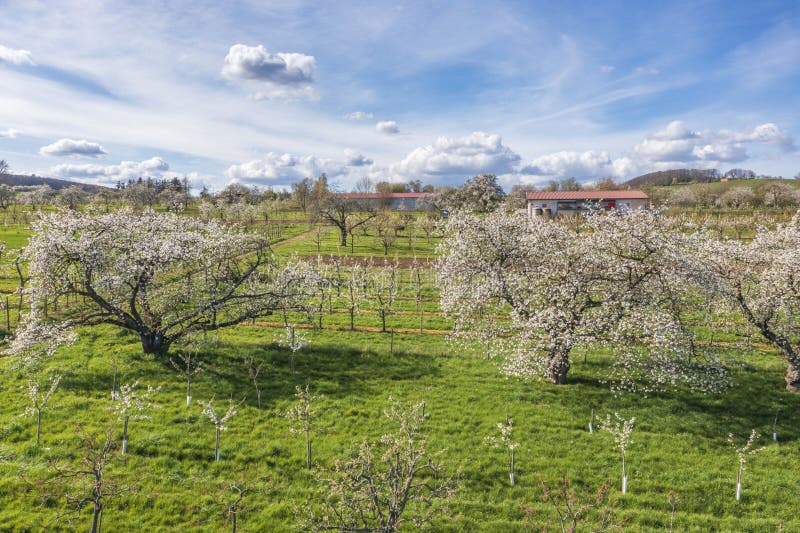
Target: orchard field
(681, 468)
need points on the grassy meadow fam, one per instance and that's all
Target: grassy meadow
(679, 441)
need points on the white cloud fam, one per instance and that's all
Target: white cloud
(677, 144)
(275, 76)
(674, 131)
(359, 115)
(625, 167)
(388, 127)
(771, 134)
(10, 133)
(15, 57)
(276, 169)
(352, 158)
(154, 167)
(459, 157)
(578, 164)
(70, 147)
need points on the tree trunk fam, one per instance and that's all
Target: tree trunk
(125, 436)
(308, 450)
(793, 374)
(96, 518)
(154, 343)
(558, 365)
(342, 237)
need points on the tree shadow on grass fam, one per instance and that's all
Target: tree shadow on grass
(751, 402)
(335, 370)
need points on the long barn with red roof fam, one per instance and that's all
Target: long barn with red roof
(555, 203)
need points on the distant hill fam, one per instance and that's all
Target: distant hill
(673, 177)
(31, 181)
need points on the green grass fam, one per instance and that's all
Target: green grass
(408, 245)
(679, 443)
(679, 440)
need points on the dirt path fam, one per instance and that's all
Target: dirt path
(296, 238)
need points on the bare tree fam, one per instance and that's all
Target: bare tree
(356, 290)
(387, 484)
(319, 237)
(88, 483)
(384, 284)
(342, 211)
(254, 369)
(386, 227)
(570, 510)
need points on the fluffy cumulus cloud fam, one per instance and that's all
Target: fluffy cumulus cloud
(272, 76)
(15, 57)
(154, 167)
(387, 127)
(577, 164)
(677, 144)
(771, 134)
(70, 147)
(282, 169)
(359, 115)
(353, 158)
(10, 133)
(459, 157)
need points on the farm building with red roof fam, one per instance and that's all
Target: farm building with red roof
(553, 203)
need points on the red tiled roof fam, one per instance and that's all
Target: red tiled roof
(587, 195)
(370, 195)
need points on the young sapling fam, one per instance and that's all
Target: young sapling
(301, 417)
(674, 500)
(293, 341)
(39, 402)
(133, 406)
(775, 426)
(741, 454)
(188, 364)
(505, 440)
(218, 421)
(621, 430)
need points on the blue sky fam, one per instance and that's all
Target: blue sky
(267, 93)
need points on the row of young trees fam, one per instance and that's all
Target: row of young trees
(626, 281)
